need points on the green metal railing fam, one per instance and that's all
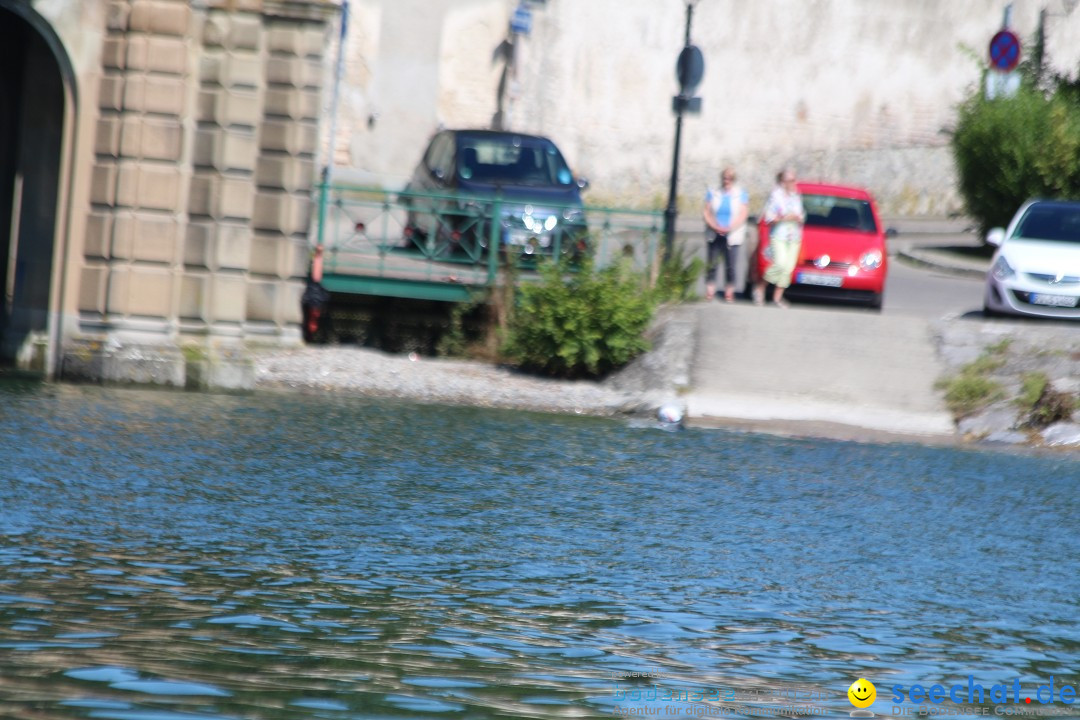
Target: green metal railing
(439, 246)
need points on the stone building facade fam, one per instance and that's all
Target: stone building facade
(157, 162)
(861, 91)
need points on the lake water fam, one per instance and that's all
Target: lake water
(169, 556)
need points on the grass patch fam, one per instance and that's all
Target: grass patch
(965, 393)
(1042, 404)
(992, 358)
(1032, 387)
(972, 389)
(983, 365)
(194, 353)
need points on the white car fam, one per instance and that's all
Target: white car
(1036, 268)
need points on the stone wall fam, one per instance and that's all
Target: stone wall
(204, 162)
(137, 221)
(858, 91)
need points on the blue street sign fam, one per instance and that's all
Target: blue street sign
(521, 21)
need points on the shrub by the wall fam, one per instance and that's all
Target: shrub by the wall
(1010, 150)
(678, 277)
(579, 321)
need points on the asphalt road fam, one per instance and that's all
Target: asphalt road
(930, 293)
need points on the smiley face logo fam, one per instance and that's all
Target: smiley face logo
(862, 693)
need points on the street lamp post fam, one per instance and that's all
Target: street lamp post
(671, 212)
(689, 69)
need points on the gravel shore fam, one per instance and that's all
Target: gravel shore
(360, 371)
(650, 381)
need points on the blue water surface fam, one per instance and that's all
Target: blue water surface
(168, 555)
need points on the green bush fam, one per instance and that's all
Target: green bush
(678, 277)
(579, 322)
(1009, 150)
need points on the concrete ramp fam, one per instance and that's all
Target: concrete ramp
(810, 366)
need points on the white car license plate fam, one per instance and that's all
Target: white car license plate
(1052, 300)
(806, 278)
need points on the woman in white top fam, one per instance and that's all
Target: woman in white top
(725, 214)
(785, 216)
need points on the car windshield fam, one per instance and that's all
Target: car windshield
(513, 160)
(1050, 222)
(829, 211)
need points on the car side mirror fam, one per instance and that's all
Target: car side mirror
(582, 184)
(891, 232)
(995, 237)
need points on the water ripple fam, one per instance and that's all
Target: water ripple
(170, 556)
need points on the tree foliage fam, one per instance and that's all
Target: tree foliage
(1010, 150)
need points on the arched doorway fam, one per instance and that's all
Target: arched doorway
(32, 105)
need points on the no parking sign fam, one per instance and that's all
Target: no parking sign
(1003, 80)
(1005, 51)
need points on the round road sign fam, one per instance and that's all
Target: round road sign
(1005, 51)
(689, 69)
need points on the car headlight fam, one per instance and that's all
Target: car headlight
(551, 222)
(870, 260)
(573, 215)
(1002, 270)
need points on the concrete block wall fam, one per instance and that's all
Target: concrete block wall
(223, 181)
(284, 175)
(204, 163)
(137, 219)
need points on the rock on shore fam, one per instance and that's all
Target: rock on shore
(1012, 350)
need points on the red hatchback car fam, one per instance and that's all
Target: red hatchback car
(843, 253)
